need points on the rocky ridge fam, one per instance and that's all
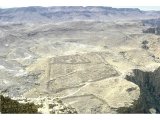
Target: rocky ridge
(38, 14)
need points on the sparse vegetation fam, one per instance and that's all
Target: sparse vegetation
(12, 106)
(145, 45)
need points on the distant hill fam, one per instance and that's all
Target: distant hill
(57, 14)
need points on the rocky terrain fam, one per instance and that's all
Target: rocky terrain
(80, 59)
(154, 26)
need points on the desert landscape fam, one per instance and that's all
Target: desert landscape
(85, 60)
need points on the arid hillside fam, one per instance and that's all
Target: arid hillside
(93, 59)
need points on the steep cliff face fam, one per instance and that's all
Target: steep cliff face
(149, 83)
(152, 22)
(154, 26)
(153, 30)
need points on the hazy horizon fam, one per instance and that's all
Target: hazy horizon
(145, 8)
(141, 7)
(147, 5)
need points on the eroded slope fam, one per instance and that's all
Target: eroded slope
(84, 63)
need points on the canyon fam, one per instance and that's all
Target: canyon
(85, 60)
